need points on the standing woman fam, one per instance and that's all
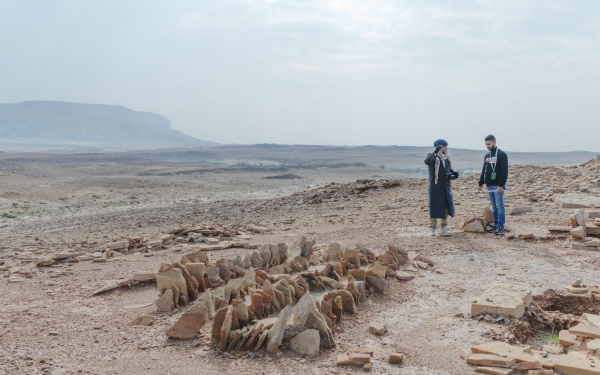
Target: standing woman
(441, 174)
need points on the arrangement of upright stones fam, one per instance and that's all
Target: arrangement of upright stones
(240, 298)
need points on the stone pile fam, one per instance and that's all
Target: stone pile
(583, 233)
(18, 273)
(335, 192)
(209, 237)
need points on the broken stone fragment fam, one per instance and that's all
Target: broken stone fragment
(567, 339)
(103, 289)
(347, 300)
(395, 358)
(585, 330)
(165, 303)
(275, 335)
(524, 366)
(142, 320)
(45, 262)
(577, 363)
(474, 225)
(494, 370)
(520, 210)
(378, 269)
(593, 346)
(118, 245)
(503, 349)
(19, 279)
(352, 360)
(358, 350)
(540, 372)
(188, 325)
(405, 276)
(490, 360)
(377, 328)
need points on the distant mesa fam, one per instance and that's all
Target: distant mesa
(74, 123)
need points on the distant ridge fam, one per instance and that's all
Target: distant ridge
(100, 124)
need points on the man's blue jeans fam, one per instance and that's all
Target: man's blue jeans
(498, 210)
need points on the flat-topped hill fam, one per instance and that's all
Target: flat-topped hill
(75, 123)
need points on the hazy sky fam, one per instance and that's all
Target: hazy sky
(321, 72)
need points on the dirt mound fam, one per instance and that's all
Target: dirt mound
(336, 192)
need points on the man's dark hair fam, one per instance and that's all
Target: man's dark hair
(490, 138)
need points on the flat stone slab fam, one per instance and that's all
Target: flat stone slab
(593, 346)
(594, 320)
(503, 349)
(585, 330)
(577, 363)
(490, 360)
(503, 299)
(494, 370)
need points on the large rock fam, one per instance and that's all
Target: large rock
(275, 335)
(377, 328)
(473, 226)
(189, 323)
(378, 269)
(520, 210)
(306, 342)
(174, 276)
(503, 299)
(306, 315)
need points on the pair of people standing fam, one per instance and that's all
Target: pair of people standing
(494, 175)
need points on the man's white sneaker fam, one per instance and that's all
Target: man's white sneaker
(431, 232)
(445, 232)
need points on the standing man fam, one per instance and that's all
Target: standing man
(441, 201)
(494, 175)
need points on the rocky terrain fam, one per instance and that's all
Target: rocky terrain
(73, 225)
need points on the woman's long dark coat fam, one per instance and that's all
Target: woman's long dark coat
(440, 195)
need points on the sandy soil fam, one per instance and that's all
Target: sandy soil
(51, 322)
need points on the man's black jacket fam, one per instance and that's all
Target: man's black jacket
(501, 168)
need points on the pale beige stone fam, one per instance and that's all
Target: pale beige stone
(576, 363)
(490, 360)
(504, 300)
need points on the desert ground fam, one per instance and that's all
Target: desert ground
(51, 203)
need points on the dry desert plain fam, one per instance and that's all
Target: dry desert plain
(51, 203)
